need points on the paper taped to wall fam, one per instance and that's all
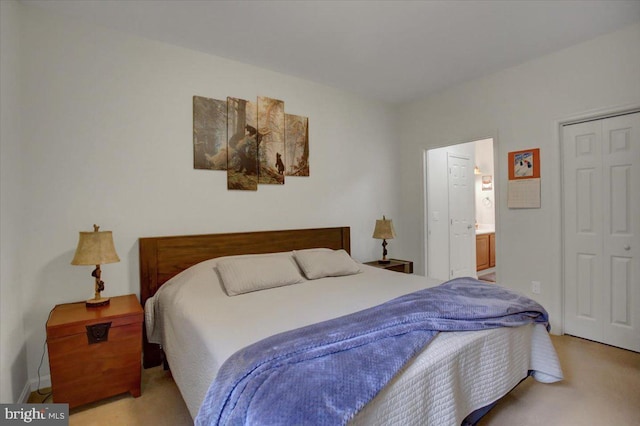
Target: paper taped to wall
(524, 194)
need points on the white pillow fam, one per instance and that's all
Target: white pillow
(245, 274)
(319, 263)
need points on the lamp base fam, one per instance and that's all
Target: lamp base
(97, 302)
(384, 262)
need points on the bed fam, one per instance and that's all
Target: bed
(188, 310)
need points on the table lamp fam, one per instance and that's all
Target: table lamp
(384, 231)
(96, 248)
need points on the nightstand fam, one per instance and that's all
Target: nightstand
(95, 353)
(397, 265)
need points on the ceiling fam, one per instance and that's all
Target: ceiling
(393, 51)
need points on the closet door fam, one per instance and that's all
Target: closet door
(621, 245)
(601, 183)
(582, 184)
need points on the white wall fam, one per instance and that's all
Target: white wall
(13, 358)
(521, 106)
(107, 139)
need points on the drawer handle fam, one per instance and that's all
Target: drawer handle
(97, 333)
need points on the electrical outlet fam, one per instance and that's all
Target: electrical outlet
(535, 287)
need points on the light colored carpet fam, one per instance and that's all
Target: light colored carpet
(159, 404)
(601, 387)
(491, 277)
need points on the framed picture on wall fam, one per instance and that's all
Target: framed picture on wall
(524, 164)
(523, 191)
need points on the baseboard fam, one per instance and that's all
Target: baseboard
(24, 396)
(32, 386)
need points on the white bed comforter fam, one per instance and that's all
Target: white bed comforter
(199, 327)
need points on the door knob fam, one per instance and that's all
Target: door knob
(627, 247)
(469, 226)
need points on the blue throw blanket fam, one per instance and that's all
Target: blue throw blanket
(326, 372)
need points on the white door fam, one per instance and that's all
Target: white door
(462, 236)
(601, 183)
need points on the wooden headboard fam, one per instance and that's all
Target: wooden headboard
(164, 257)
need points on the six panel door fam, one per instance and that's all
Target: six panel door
(601, 223)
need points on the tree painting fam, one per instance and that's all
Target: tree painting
(255, 142)
(209, 134)
(271, 148)
(242, 145)
(297, 145)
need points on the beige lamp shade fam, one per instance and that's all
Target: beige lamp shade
(384, 229)
(95, 248)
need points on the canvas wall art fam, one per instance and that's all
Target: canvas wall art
(242, 145)
(271, 134)
(297, 145)
(209, 133)
(254, 142)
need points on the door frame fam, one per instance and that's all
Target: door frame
(493, 134)
(557, 223)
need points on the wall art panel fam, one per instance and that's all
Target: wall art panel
(242, 145)
(297, 145)
(254, 142)
(209, 133)
(271, 136)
